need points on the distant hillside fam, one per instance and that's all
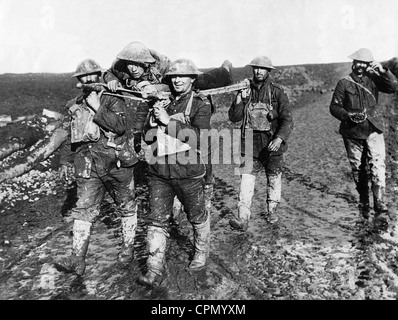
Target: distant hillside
(327, 74)
(26, 94)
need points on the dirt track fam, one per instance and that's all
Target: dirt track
(320, 249)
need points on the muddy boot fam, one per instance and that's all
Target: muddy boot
(239, 224)
(81, 236)
(246, 192)
(228, 65)
(129, 225)
(202, 245)
(380, 207)
(156, 242)
(271, 216)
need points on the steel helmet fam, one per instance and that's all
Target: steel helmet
(137, 52)
(262, 62)
(183, 67)
(87, 66)
(362, 54)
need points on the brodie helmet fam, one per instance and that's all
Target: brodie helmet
(87, 66)
(137, 52)
(183, 67)
(261, 62)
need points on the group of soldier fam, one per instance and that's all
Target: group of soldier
(106, 136)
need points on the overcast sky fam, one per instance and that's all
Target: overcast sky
(55, 35)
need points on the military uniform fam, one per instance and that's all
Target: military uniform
(158, 64)
(177, 172)
(167, 171)
(364, 140)
(96, 163)
(101, 150)
(265, 115)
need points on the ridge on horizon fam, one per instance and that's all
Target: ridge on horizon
(201, 68)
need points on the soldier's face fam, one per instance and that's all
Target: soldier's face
(89, 78)
(182, 84)
(135, 69)
(260, 74)
(359, 67)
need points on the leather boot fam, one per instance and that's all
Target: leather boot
(246, 193)
(156, 244)
(239, 224)
(228, 65)
(202, 245)
(129, 226)
(149, 279)
(81, 237)
(271, 216)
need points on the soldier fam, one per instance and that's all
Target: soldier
(140, 68)
(177, 171)
(355, 104)
(101, 152)
(266, 116)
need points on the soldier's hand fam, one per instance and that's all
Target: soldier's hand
(357, 117)
(376, 68)
(275, 144)
(63, 172)
(161, 115)
(245, 93)
(272, 115)
(113, 85)
(93, 100)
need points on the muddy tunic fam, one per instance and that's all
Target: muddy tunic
(281, 126)
(154, 75)
(97, 163)
(364, 141)
(214, 78)
(351, 97)
(180, 174)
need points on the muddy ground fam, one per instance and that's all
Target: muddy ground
(320, 249)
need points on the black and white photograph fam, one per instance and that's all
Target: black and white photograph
(214, 152)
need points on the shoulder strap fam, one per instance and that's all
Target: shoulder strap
(187, 111)
(270, 96)
(352, 80)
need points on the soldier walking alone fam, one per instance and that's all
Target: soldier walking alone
(355, 104)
